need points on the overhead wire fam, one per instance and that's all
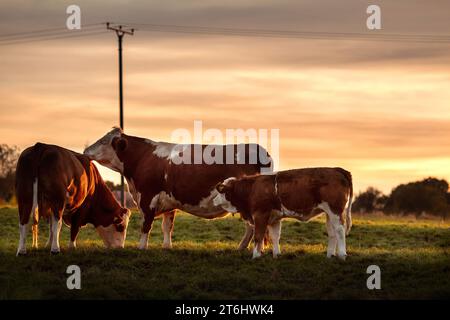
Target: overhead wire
(95, 28)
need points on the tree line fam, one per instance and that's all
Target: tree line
(430, 195)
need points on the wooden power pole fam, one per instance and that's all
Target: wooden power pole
(120, 32)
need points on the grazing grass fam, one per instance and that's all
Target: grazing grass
(414, 257)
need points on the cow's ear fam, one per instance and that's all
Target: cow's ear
(119, 144)
(221, 187)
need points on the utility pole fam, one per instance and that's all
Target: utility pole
(120, 32)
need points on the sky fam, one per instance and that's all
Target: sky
(379, 109)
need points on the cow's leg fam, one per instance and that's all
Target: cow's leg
(34, 228)
(339, 232)
(332, 240)
(22, 249)
(34, 231)
(274, 233)
(149, 216)
(56, 217)
(261, 220)
(249, 230)
(167, 228)
(50, 233)
(266, 240)
(26, 209)
(74, 229)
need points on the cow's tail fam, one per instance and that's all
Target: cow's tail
(27, 183)
(348, 216)
(26, 187)
(349, 212)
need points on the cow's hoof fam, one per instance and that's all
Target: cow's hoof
(21, 253)
(54, 252)
(331, 256)
(167, 246)
(256, 256)
(342, 257)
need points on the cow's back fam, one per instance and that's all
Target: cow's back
(60, 177)
(186, 180)
(302, 190)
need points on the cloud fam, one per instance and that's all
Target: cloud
(379, 109)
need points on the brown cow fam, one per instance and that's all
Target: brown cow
(160, 182)
(301, 194)
(60, 184)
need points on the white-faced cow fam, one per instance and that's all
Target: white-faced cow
(62, 185)
(301, 194)
(161, 181)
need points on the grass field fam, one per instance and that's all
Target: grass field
(414, 257)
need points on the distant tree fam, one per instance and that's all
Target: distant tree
(112, 186)
(426, 196)
(8, 161)
(369, 201)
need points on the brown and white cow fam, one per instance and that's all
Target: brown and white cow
(160, 183)
(59, 184)
(301, 194)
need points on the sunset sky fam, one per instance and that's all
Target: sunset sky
(378, 109)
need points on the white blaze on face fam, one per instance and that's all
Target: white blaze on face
(111, 237)
(221, 200)
(103, 152)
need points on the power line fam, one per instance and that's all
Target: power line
(53, 37)
(62, 33)
(44, 31)
(266, 33)
(47, 34)
(312, 37)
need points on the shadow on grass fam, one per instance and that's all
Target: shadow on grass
(204, 264)
(224, 273)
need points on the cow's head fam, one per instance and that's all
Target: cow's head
(226, 195)
(105, 151)
(114, 234)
